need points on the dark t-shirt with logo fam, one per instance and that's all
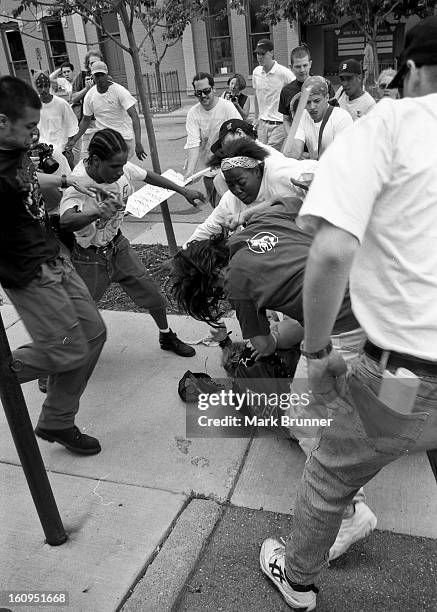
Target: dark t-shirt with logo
(26, 240)
(266, 271)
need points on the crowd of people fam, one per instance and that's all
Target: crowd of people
(324, 211)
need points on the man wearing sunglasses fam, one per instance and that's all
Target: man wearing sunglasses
(203, 124)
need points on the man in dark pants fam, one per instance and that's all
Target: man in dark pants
(53, 302)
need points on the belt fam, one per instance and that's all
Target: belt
(399, 360)
(272, 122)
(106, 247)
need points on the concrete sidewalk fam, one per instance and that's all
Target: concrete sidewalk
(151, 517)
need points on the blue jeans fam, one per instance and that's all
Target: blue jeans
(365, 436)
(119, 264)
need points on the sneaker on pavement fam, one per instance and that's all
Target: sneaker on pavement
(72, 438)
(359, 525)
(42, 383)
(272, 561)
(170, 342)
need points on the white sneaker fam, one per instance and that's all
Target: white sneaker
(352, 529)
(272, 561)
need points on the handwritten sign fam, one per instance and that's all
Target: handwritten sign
(149, 196)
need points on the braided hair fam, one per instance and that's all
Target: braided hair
(197, 285)
(106, 143)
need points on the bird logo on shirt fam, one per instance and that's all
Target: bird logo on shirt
(263, 242)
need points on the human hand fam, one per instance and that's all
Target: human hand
(327, 376)
(165, 266)
(232, 220)
(191, 195)
(139, 151)
(108, 206)
(84, 185)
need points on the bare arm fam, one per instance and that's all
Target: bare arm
(287, 123)
(326, 276)
(160, 181)
(294, 149)
(193, 156)
(139, 150)
(77, 96)
(83, 126)
(256, 110)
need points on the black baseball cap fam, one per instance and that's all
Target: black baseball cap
(229, 127)
(263, 45)
(349, 68)
(421, 46)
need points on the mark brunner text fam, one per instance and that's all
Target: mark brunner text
(255, 421)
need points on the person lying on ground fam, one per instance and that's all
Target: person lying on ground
(262, 267)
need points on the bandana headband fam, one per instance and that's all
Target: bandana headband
(238, 162)
(42, 79)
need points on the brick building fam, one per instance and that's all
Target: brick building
(220, 45)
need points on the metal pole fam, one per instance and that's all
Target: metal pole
(15, 408)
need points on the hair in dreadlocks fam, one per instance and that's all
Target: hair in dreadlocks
(241, 146)
(107, 143)
(196, 278)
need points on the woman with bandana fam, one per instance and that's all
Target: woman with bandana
(253, 177)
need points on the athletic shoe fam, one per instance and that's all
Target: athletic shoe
(272, 561)
(170, 342)
(359, 525)
(72, 438)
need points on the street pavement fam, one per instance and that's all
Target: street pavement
(161, 520)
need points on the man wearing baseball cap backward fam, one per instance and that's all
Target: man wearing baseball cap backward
(351, 95)
(320, 122)
(113, 106)
(373, 224)
(268, 79)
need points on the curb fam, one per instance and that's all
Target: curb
(166, 577)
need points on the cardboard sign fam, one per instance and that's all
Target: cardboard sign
(149, 196)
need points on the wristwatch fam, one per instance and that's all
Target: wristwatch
(64, 183)
(324, 352)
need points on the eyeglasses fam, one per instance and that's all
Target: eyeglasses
(202, 92)
(384, 85)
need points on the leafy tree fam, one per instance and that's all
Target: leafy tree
(368, 15)
(164, 19)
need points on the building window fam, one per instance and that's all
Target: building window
(219, 38)
(13, 44)
(256, 29)
(55, 42)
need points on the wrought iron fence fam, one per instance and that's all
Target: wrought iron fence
(163, 95)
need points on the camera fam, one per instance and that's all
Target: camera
(46, 162)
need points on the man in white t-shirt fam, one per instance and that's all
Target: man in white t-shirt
(203, 125)
(103, 255)
(351, 96)
(62, 79)
(375, 216)
(318, 115)
(113, 106)
(58, 123)
(268, 79)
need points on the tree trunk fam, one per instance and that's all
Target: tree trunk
(159, 85)
(148, 121)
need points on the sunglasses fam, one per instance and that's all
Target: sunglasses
(202, 92)
(384, 85)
